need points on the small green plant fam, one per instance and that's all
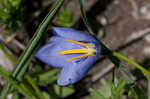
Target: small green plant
(109, 90)
(11, 13)
(65, 18)
(115, 90)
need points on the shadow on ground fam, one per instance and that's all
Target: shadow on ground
(97, 8)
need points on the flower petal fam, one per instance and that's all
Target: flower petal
(49, 53)
(45, 55)
(73, 73)
(73, 34)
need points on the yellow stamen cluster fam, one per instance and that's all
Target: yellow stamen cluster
(89, 50)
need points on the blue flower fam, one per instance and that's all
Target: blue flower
(73, 51)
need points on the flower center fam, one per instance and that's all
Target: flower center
(88, 51)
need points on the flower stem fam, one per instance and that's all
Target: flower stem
(118, 55)
(83, 15)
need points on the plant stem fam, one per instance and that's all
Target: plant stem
(83, 13)
(147, 73)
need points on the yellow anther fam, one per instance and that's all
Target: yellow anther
(79, 43)
(81, 56)
(74, 51)
(88, 51)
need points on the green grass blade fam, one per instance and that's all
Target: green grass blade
(37, 90)
(5, 74)
(83, 14)
(128, 75)
(15, 95)
(27, 90)
(32, 44)
(9, 56)
(24, 68)
(146, 72)
(37, 37)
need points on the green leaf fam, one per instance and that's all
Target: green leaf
(65, 18)
(136, 92)
(11, 12)
(117, 89)
(15, 95)
(34, 86)
(106, 90)
(9, 56)
(95, 94)
(46, 95)
(47, 77)
(63, 91)
(101, 33)
(120, 86)
(5, 32)
(84, 17)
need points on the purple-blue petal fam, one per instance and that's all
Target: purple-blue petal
(49, 52)
(75, 72)
(46, 55)
(72, 34)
